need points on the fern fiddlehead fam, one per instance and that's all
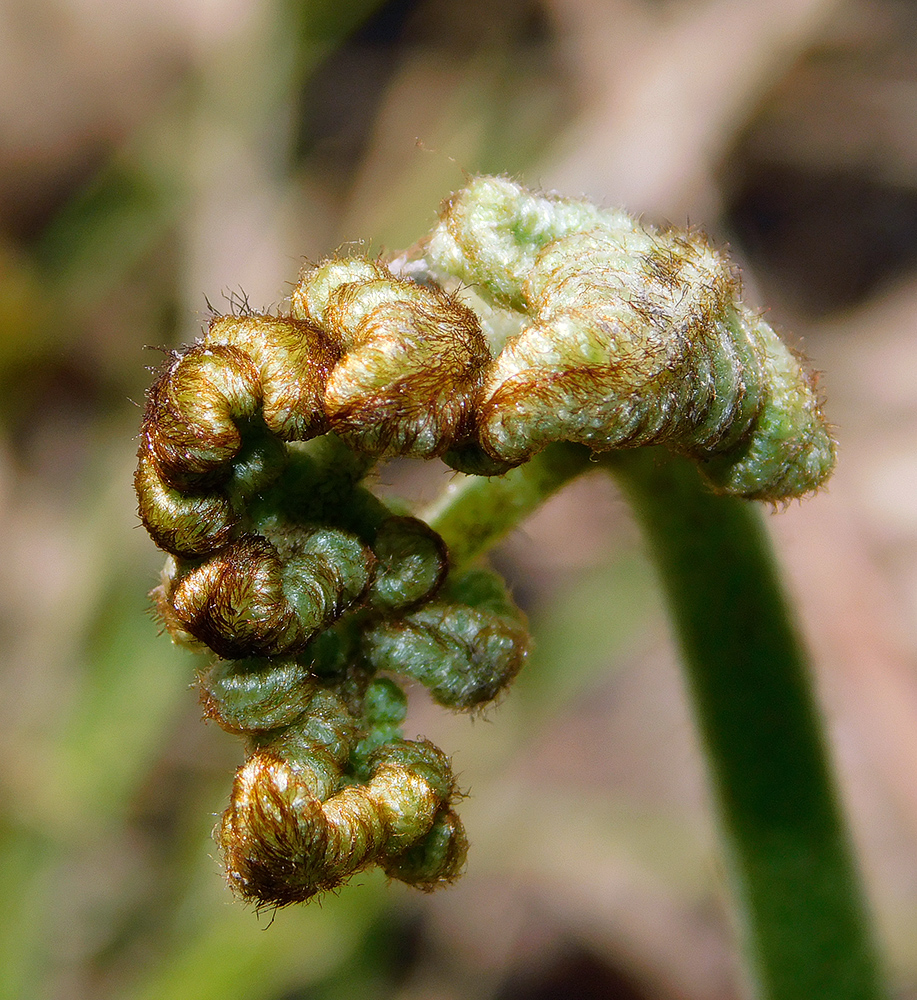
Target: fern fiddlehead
(583, 327)
(631, 337)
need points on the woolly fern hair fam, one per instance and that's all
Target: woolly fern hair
(522, 320)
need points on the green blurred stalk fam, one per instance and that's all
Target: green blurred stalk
(805, 930)
(797, 893)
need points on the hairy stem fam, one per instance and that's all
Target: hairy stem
(801, 912)
(797, 891)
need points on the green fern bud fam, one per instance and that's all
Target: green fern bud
(463, 653)
(436, 859)
(412, 564)
(255, 695)
(635, 337)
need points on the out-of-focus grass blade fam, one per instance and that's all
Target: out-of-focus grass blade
(225, 950)
(134, 683)
(589, 628)
(109, 226)
(26, 894)
(321, 25)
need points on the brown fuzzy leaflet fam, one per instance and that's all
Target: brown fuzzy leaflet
(246, 368)
(187, 523)
(283, 843)
(412, 359)
(233, 603)
(188, 434)
(248, 599)
(190, 425)
(294, 359)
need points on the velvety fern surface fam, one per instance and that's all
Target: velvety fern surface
(319, 600)
(154, 159)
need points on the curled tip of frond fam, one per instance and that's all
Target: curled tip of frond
(593, 328)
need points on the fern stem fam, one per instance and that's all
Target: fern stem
(800, 910)
(797, 894)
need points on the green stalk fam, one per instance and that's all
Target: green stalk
(797, 892)
(805, 929)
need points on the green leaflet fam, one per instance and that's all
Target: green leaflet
(463, 653)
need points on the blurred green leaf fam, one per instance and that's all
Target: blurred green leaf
(222, 949)
(588, 628)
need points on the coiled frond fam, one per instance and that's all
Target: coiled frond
(314, 595)
(634, 336)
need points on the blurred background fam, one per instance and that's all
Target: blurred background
(159, 154)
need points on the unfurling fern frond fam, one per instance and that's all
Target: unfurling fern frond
(256, 440)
